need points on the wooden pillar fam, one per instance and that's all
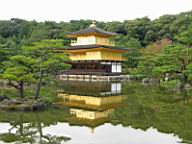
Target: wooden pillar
(86, 66)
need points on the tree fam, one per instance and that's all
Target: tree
(115, 26)
(38, 60)
(31, 132)
(150, 37)
(48, 61)
(138, 28)
(186, 37)
(19, 70)
(8, 48)
(134, 54)
(176, 59)
(150, 57)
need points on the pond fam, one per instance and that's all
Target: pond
(103, 113)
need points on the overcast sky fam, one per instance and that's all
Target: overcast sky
(101, 10)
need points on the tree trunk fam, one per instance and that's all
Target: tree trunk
(39, 85)
(39, 128)
(21, 124)
(21, 89)
(185, 78)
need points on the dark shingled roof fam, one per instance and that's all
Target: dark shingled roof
(95, 46)
(92, 30)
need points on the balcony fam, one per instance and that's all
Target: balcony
(76, 43)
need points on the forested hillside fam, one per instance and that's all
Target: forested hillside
(136, 34)
(17, 31)
(143, 29)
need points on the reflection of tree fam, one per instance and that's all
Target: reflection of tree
(22, 133)
(32, 132)
(48, 139)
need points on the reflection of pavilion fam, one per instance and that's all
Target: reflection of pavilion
(91, 103)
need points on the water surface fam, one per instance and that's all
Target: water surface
(102, 113)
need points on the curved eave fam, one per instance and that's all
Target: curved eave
(89, 34)
(91, 31)
(95, 49)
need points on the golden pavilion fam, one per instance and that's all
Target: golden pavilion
(93, 52)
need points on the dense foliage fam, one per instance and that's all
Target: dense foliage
(165, 58)
(147, 39)
(146, 31)
(35, 62)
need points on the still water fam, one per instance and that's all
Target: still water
(101, 113)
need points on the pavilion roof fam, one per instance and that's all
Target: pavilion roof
(95, 46)
(91, 30)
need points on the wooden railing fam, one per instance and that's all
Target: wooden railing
(82, 72)
(89, 72)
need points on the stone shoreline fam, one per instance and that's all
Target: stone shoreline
(22, 104)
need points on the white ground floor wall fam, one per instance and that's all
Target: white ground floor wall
(116, 67)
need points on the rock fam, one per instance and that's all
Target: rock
(179, 87)
(150, 81)
(132, 77)
(11, 102)
(17, 101)
(39, 106)
(187, 87)
(145, 81)
(22, 105)
(139, 77)
(3, 97)
(5, 102)
(154, 81)
(168, 77)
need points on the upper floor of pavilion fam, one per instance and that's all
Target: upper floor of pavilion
(92, 36)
